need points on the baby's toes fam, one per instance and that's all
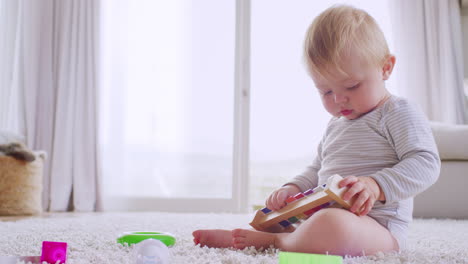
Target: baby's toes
(238, 242)
(197, 235)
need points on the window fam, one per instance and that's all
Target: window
(167, 102)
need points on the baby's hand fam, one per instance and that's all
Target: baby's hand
(277, 199)
(366, 190)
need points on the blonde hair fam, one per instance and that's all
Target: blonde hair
(335, 31)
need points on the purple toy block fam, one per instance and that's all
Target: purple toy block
(309, 192)
(53, 252)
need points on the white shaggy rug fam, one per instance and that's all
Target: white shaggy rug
(92, 237)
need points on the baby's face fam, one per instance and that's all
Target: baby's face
(356, 94)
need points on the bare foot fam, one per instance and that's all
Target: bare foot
(217, 238)
(242, 238)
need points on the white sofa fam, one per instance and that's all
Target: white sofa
(448, 197)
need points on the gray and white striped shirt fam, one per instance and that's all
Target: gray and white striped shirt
(393, 144)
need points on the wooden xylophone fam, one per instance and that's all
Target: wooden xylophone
(301, 206)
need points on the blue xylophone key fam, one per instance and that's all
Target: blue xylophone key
(285, 223)
(266, 210)
(309, 192)
(320, 188)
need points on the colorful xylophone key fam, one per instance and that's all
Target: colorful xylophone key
(308, 192)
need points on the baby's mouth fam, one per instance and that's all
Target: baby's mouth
(346, 112)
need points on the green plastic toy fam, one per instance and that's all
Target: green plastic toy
(303, 258)
(136, 237)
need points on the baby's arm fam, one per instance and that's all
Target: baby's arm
(408, 131)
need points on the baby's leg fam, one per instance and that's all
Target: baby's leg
(219, 238)
(332, 230)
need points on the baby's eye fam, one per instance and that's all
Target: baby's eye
(353, 87)
(327, 93)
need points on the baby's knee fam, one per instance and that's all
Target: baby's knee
(332, 220)
(328, 214)
(330, 232)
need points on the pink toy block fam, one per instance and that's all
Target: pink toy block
(53, 252)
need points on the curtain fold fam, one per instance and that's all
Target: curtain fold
(54, 73)
(428, 47)
(9, 97)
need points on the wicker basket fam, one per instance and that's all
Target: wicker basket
(21, 186)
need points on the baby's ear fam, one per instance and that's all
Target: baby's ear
(388, 67)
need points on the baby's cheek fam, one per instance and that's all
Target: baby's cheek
(331, 107)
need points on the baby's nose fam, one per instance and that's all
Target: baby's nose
(340, 98)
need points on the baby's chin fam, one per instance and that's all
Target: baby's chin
(351, 116)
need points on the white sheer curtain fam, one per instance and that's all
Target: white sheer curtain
(167, 105)
(428, 47)
(8, 96)
(48, 73)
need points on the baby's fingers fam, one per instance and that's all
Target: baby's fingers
(353, 190)
(367, 207)
(281, 200)
(347, 181)
(271, 201)
(274, 201)
(359, 202)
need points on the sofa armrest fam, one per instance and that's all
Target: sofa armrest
(447, 197)
(451, 140)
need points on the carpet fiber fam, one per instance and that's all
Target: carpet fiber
(92, 237)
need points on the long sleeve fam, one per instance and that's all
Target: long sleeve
(408, 131)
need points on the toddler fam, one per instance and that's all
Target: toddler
(381, 144)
